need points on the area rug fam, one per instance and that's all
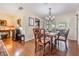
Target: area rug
(3, 51)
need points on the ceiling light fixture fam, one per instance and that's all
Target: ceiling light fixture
(50, 17)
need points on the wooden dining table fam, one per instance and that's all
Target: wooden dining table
(7, 29)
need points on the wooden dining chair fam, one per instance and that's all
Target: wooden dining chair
(63, 38)
(40, 39)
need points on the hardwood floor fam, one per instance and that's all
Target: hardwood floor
(73, 49)
(16, 48)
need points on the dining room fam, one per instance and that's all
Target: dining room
(39, 29)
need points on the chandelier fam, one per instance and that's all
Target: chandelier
(50, 16)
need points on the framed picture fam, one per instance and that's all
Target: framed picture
(31, 21)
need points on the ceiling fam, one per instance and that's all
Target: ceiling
(42, 9)
(57, 8)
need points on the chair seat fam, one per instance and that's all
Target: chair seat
(47, 40)
(61, 38)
